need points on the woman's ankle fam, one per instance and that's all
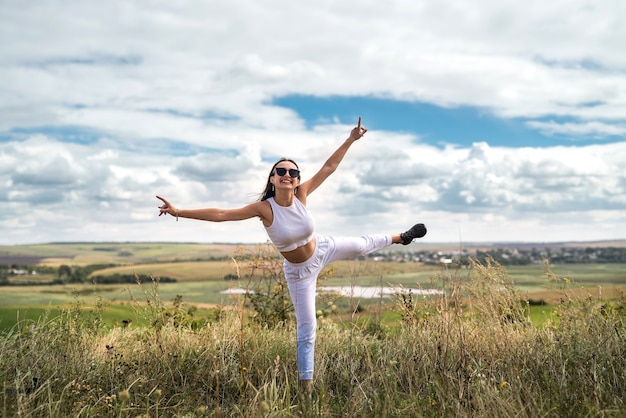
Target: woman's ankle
(305, 386)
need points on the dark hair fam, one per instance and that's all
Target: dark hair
(269, 190)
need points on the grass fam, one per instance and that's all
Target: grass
(115, 313)
(474, 352)
(18, 302)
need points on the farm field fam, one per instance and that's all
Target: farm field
(119, 253)
(200, 269)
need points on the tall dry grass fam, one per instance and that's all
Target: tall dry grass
(470, 353)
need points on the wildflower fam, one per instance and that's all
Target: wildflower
(264, 407)
(123, 395)
(504, 384)
(158, 393)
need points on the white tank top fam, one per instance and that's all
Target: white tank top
(292, 226)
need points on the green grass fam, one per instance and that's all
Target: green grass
(475, 352)
(112, 315)
(119, 309)
(29, 302)
(472, 353)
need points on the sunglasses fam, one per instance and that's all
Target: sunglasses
(293, 173)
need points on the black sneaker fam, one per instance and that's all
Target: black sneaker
(416, 231)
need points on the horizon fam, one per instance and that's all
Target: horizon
(619, 242)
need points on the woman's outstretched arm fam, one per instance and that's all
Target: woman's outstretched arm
(256, 209)
(331, 164)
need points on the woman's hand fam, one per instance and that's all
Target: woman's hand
(167, 207)
(357, 132)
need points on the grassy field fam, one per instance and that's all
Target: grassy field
(472, 352)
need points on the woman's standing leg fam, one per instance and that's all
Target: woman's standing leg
(302, 291)
(302, 283)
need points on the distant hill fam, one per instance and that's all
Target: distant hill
(83, 253)
(566, 244)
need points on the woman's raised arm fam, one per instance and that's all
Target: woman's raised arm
(331, 164)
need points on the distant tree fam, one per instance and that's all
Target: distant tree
(65, 273)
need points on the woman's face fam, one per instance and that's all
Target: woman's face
(285, 175)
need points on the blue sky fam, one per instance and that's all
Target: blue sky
(503, 122)
(440, 126)
(435, 125)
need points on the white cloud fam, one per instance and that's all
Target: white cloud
(175, 99)
(597, 129)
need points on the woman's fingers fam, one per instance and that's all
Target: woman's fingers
(164, 209)
(360, 131)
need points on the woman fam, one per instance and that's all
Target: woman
(290, 227)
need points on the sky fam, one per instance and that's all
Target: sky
(488, 121)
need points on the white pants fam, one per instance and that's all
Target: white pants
(302, 280)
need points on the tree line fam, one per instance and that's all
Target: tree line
(66, 274)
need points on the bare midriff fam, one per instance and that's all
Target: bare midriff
(300, 254)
